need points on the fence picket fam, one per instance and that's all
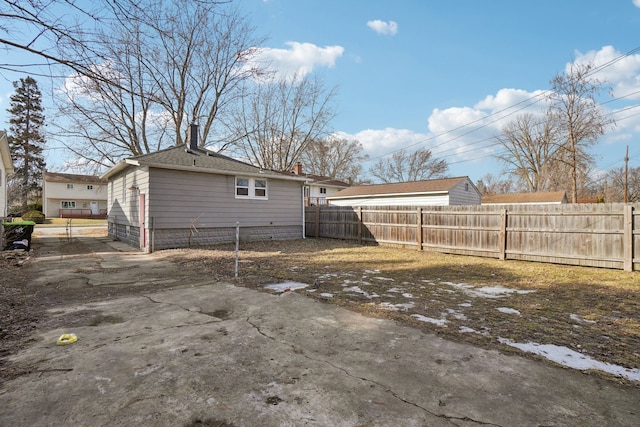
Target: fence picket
(598, 235)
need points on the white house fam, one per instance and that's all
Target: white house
(435, 192)
(67, 195)
(317, 187)
(6, 168)
(186, 196)
(540, 198)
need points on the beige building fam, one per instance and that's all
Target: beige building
(67, 195)
(6, 168)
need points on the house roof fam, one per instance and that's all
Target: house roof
(432, 186)
(540, 197)
(73, 178)
(5, 153)
(196, 160)
(322, 180)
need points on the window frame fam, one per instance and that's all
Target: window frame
(69, 203)
(69, 186)
(253, 188)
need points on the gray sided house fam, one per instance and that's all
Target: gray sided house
(185, 196)
(434, 192)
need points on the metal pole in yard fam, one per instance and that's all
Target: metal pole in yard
(237, 244)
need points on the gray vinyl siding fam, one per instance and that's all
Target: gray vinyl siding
(179, 198)
(122, 203)
(459, 196)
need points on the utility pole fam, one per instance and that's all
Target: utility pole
(626, 175)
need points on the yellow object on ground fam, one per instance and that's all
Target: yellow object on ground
(67, 339)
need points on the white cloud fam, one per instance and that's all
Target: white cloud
(636, 3)
(382, 27)
(298, 60)
(623, 73)
(380, 142)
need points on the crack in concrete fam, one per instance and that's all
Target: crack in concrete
(386, 389)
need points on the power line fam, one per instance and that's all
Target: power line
(529, 102)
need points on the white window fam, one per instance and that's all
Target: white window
(68, 204)
(69, 186)
(323, 190)
(251, 188)
(89, 187)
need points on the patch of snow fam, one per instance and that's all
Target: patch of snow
(396, 307)
(376, 271)
(357, 290)
(573, 359)
(326, 295)
(439, 322)
(508, 310)
(579, 319)
(465, 304)
(456, 314)
(395, 290)
(485, 291)
(385, 278)
(311, 290)
(286, 286)
(466, 330)
(407, 295)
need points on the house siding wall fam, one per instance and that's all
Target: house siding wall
(55, 192)
(190, 209)
(3, 190)
(459, 196)
(435, 200)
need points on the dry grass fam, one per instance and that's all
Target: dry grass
(592, 311)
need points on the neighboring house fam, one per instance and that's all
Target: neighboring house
(541, 198)
(317, 187)
(66, 195)
(435, 192)
(186, 196)
(6, 168)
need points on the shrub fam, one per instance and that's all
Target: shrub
(35, 216)
(37, 206)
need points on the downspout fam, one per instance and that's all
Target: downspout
(304, 231)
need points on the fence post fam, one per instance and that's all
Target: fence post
(359, 225)
(627, 239)
(317, 221)
(502, 240)
(419, 231)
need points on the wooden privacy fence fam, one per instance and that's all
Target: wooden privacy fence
(597, 235)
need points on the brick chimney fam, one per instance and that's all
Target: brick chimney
(298, 169)
(193, 136)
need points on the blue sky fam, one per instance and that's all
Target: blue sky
(409, 73)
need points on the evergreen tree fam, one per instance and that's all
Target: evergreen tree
(26, 141)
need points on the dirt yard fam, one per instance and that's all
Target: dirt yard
(527, 308)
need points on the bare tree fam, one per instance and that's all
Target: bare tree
(170, 64)
(335, 157)
(531, 150)
(616, 182)
(403, 166)
(490, 184)
(49, 31)
(276, 119)
(580, 118)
